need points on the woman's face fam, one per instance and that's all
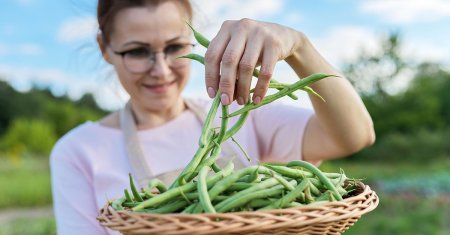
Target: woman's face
(137, 32)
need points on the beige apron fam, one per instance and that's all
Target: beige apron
(139, 165)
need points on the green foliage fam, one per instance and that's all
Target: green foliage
(410, 123)
(29, 136)
(416, 146)
(32, 121)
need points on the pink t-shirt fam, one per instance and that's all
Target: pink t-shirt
(89, 165)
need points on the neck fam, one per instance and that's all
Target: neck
(147, 118)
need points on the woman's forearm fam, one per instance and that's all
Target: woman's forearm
(343, 116)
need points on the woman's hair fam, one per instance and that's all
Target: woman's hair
(108, 9)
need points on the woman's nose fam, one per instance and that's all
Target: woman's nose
(160, 67)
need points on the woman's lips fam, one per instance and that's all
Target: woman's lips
(159, 88)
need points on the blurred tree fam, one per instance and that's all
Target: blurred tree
(410, 121)
(62, 112)
(28, 135)
(374, 74)
(33, 120)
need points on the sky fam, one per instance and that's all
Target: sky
(51, 43)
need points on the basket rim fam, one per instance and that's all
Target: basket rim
(351, 208)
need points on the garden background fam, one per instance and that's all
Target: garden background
(407, 97)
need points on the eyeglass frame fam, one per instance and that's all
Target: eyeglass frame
(151, 58)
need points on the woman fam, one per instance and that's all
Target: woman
(156, 134)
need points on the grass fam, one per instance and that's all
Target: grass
(41, 226)
(404, 213)
(25, 183)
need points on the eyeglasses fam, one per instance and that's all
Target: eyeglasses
(142, 59)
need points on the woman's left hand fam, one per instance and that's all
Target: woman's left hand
(237, 49)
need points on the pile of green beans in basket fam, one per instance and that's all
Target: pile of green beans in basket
(205, 187)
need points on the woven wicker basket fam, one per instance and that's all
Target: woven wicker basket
(318, 218)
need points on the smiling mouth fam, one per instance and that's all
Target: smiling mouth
(159, 88)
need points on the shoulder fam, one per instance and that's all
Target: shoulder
(112, 120)
(81, 137)
(203, 103)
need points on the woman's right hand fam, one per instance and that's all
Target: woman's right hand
(235, 52)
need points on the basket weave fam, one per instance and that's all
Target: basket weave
(317, 218)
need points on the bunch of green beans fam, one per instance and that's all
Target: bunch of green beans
(204, 187)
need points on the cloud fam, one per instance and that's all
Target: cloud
(108, 94)
(209, 15)
(24, 78)
(419, 51)
(20, 49)
(344, 43)
(77, 29)
(403, 12)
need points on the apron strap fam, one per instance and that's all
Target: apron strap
(136, 157)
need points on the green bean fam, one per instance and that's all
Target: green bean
(195, 57)
(273, 81)
(134, 191)
(193, 164)
(156, 183)
(238, 186)
(319, 174)
(265, 184)
(314, 189)
(239, 123)
(287, 90)
(209, 119)
(295, 204)
(242, 149)
(296, 173)
(188, 210)
(244, 199)
(215, 167)
(260, 202)
(225, 183)
(308, 197)
(279, 86)
(282, 181)
(288, 198)
(202, 189)
(130, 204)
(167, 208)
(199, 37)
(127, 195)
(224, 124)
(253, 176)
(174, 192)
(313, 92)
(208, 161)
(117, 204)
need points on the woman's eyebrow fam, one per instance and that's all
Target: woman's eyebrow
(136, 42)
(148, 44)
(175, 38)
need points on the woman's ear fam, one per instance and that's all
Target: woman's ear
(103, 49)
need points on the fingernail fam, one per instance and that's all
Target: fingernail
(240, 100)
(211, 92)
(256, 100)
(224, 99)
